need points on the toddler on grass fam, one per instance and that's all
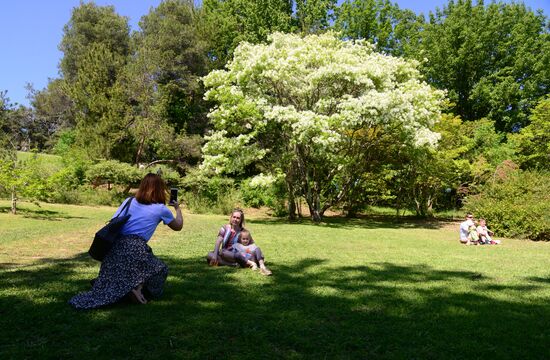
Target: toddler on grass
(251, 253)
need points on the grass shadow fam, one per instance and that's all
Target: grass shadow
(540, 279)
(40, 214)
(363, 221)
(307, 309)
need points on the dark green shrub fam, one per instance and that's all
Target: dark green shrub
(265, 191)
(254, 196)
(113, 172)
(90, 196)
(210, 194)
(515, 204)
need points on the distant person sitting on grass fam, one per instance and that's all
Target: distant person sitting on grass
(468, 232)
(252, 255)
(485, 234)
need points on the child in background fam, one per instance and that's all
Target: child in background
(474, 236)
(485, 234)
(252, 254)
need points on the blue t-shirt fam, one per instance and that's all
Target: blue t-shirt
(145, 218)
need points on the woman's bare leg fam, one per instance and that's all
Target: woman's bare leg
(215, 260)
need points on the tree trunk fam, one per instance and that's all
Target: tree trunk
(314, 209)
(291, 208)
(420, 203)
(429, 207)
(351, 212)
(291, 200)
(13, 201)
(139, 150)
(316, 216)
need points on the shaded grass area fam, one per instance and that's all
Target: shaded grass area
(341, 290)
(40, 214)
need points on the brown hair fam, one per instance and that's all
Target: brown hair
(152, 190)
(242, 216)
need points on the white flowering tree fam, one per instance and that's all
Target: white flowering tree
(313, 108)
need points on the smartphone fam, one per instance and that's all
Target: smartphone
(173, 195)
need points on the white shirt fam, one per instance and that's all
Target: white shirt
(465, 229)
(245, 248)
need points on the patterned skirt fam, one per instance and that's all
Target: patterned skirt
(129, 263)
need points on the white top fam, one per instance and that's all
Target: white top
(465, 229)
(484, 231)
(245, 248)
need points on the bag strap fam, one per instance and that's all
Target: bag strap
(236, 237)
(226, 235)
(126, 207)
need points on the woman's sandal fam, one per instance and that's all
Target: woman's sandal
(136, 296)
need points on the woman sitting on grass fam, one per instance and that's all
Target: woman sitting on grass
(228, 239)
(130, 265)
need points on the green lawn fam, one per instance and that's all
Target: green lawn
(48, 163)
(347, 289)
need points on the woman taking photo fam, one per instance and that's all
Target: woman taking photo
(130, 265)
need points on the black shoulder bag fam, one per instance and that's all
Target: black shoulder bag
(106, 237)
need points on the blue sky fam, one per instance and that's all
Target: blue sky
(32, 30)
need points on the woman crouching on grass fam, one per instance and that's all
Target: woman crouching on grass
(130, 265)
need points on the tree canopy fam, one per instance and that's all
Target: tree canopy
(331, 102)
(310, 108)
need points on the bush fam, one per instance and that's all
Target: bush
(515, 204)
(223, 205)
(90, 196)
(113, 172)
(170, 176)
(257, 191)
(85, 195)
(267, 191)
(210, 195)
(63, 186)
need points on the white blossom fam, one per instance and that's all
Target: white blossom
(314, 92)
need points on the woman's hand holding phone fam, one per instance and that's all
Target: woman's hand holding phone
(173, 196)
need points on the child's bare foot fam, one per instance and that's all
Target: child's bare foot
(265, 271)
